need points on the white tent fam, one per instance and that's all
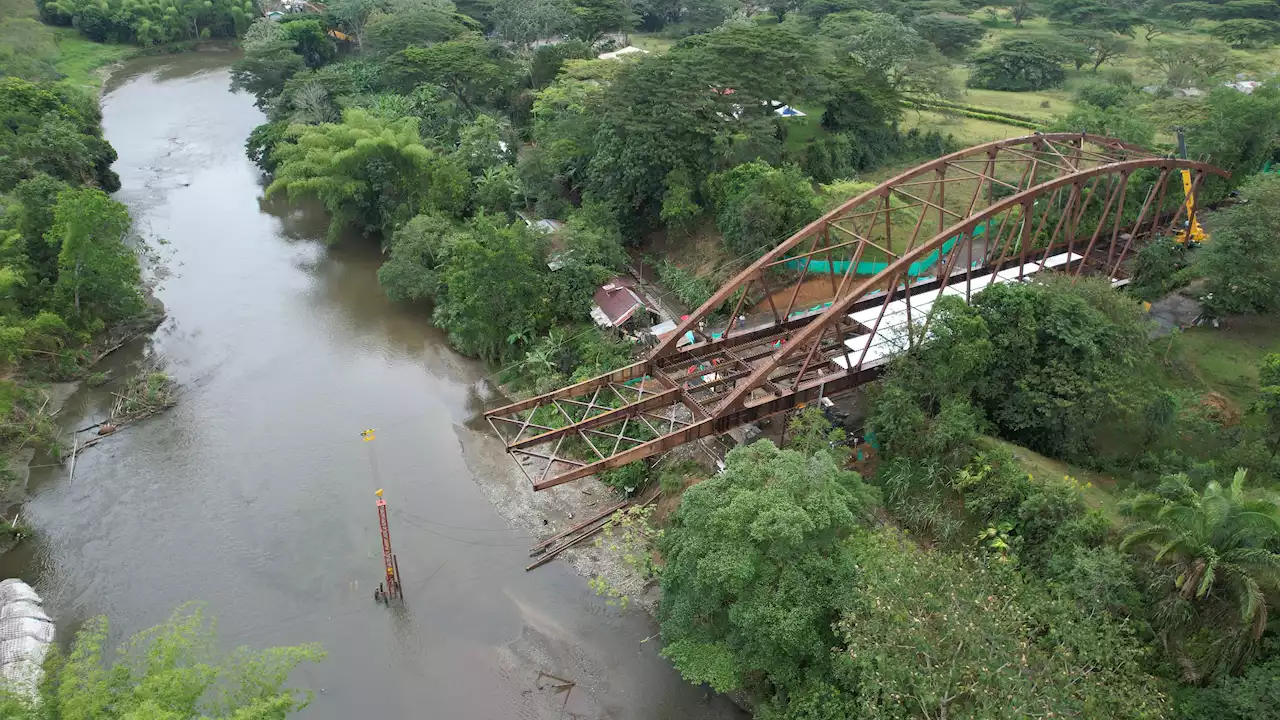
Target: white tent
(629, 50)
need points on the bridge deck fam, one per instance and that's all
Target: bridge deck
(668, 403)
(996, 213)
(883, 328)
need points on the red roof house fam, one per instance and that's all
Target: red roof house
(617, 301)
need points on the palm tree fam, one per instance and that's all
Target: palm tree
(1217, 539)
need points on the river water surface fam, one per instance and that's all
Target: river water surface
(255, 493)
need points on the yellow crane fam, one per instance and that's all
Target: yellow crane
(1192, 234)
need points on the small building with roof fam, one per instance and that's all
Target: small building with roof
(620, 304)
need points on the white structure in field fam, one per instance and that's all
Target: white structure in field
(629, 50)
(884, 338)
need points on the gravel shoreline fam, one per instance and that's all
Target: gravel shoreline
(512, 495)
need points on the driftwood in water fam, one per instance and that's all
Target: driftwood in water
(147, 393)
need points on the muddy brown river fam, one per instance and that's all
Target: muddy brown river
(254, 494)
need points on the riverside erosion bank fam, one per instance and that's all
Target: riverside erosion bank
(254, 493)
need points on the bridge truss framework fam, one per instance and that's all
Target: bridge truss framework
(832, 303)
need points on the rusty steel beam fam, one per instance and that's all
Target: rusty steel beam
(630, 372)
(763, 379)
(986, 150)
(899, 267)
(663, 398)
(715, 426)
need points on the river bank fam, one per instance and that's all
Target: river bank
(254, 493)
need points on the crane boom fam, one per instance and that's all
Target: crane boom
(1193, 234)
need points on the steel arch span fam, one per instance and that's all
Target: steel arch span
(825, 310)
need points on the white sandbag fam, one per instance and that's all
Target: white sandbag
(26, 632)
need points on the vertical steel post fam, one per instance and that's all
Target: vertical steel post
(388, 559)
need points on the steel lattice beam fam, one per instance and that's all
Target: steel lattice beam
(998, 212)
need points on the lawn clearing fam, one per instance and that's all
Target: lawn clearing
(800, 130)
(968, 131)
(1223, 360)
(1096, 487)
(652, 42)
(80, 59)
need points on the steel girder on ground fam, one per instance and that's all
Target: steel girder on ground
(830, 305)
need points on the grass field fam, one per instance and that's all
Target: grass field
(1043, 106)
(968, 131)
(1096, 487)
(72, 55)
(1223, 360)
(651, 42)
(80, 59)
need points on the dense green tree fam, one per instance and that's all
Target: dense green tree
(566, 118)
(677, 111)
(1247, 33)
(497, 289)
(1218, 544)
(524, 22)
(1095, 47)
(1020, 10)
(353, 16)
(1017, 64)
(1153, 27)
(909, 64)
(1251, 695)
(31, 217)
(859, 101)
(1239, 132)
(754, 569)
(268, 63)
(951, 34)
(310, 42)
(262, 142)
(174, 670)
(929, 634)
(410, 273)
(759, 206)
(1117, 121)
(1186, 64)
(52, 129)
(413, 23)
(816, 10)
(955, 360)
(497, 190)
(1063, 356)
(450, 189)
(316, 96)
(1240, 266)
(1103, 95)
(1110, 15)
(1257, 9)
(480, 145)
(809, 432)
(758, 63)
(548, 59)
(465, 68)
(593, 19)
(97, 272)
(370, 173)
(1268, 403)
(679, 205)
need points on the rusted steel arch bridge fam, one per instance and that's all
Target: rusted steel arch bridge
(829, 306)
